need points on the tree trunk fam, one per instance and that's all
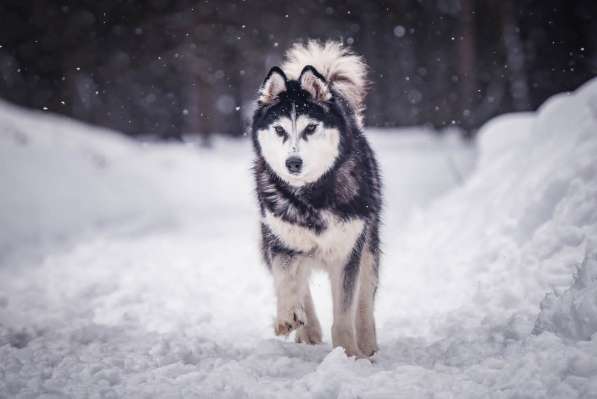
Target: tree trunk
(519, 89)
(466, 63)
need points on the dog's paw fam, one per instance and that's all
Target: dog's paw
(290, 320)
(308, 335)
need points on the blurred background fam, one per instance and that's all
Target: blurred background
(168, 68)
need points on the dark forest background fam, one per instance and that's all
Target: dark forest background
(172, 67)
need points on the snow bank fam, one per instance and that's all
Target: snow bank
(489, 280)
(518, 228)
(501, 134)
(572, 314)
(62, 180)
(57, 183)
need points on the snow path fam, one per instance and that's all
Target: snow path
(132, 270)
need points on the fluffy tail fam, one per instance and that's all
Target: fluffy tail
(344, 71)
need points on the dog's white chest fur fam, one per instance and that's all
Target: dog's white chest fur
(332, 244)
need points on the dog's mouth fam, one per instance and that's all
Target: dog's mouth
(297, 178)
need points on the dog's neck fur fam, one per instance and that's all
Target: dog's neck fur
(338, 189)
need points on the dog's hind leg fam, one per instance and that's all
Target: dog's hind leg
(290, 282)
(310, 333)
(365, 320)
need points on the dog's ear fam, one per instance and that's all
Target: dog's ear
(273, 85)
(315, 84)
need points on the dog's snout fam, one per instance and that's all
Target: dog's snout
(294, 164)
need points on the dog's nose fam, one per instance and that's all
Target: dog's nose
(294, 164)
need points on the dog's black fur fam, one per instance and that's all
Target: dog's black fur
(350, 189)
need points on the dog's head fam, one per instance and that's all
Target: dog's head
(298, 127)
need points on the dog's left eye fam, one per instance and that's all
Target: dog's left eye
(280, 131)
(310, 129)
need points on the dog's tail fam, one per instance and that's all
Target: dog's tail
(343, 70)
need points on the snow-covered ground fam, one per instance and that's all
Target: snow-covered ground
(132, 270)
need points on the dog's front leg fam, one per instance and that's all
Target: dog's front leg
(344, 279)
(364, 319)
(311, 332)
(290, 282)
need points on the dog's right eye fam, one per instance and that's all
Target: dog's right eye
(280, 131)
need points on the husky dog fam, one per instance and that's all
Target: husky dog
(319, 192)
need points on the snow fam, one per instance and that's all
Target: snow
(132, 270)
